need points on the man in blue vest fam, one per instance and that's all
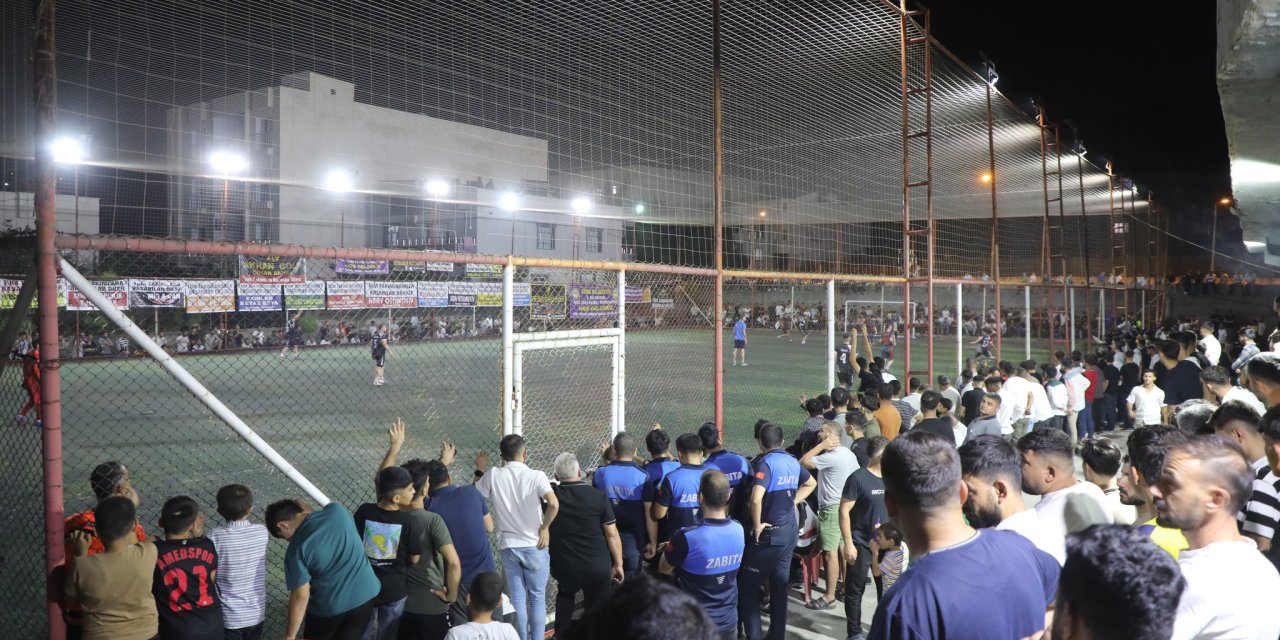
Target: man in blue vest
(705, 558)
(676, 505)
(659, 465)
(778, 484)
(622, 482)
(735, 467)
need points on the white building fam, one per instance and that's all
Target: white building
(311, 165)
(18, 213)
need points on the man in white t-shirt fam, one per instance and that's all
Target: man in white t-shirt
(1145, 401)
(1005, 411)
(1066, 504)
(1039, 410)
(1231, 587)
(992, 470)
(1216, 381)
(517, 493)
(484, 597)
(1077, 383)
(1212, 348)
(948, 391)
(1019, 392)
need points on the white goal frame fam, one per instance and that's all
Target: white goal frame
(546, 340)
(882, 303)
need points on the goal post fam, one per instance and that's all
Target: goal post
(525, 343)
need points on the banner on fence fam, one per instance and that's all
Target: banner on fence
(520, 294)
(304, 295)
(663, 298)
(484, 270)
(390, 295)
(548, 302)
(344, 294)
(259, 297)
(272, 270)
(117, 291)
(592, 301)
(488, 294)
(462, 294)
(420, 267)
(433, 294)
(360, 267)
(211, 296)
(9, 293)
(638, 295)
(157, 293)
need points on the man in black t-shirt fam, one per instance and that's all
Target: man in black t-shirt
(292, 335)
(971, 401)
(861, 512)
(586, 550)
(1181, 382)
(929, 402)
(392, 544)
(184, 583)
(378, 350)
(844, 362)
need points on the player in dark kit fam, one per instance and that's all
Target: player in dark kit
(185, 580)
(378, 349)
(844, 362)
(292, 335)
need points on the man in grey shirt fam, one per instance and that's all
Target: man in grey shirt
(987, 422)
(832, 464)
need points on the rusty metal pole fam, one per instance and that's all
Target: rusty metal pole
(45, 90)
(1084, 226)
(717, 122)
(995, 221)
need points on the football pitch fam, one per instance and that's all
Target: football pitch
(322, 413)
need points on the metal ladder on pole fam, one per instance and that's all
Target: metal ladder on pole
(1054, 250)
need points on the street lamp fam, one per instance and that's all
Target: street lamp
(227, 163)
(67, 150)
(986, 178)
(640, 207)
(339, 181)
(437, 189)
(1213, 252)
(510, 202)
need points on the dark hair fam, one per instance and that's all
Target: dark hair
(944, 380)
(993, 396)
(993, 380)
(1047, 442)
(770, 435)
(714, 487)
(1006, 367)
(870, 402)
(914, 384)
(1264, 366)
(657, 442)
(485, 591)
(891, 531)
(825, 400)
(106, 478)
(946, 403)
(813, 406)
(856, 419)
(876, 446)
(1186, 339)
(1169, 349)
(419, 473)
(1215, 375)
(896, 387)
(1101, 454)
(510, 446)
(1148, 448)
(1224, 461)
(688, 443)
(839, 396)
(279, 511)
(1235, 411)
(1271, 424)
(1207, 324)
(1120, 584)
(235, 501)
(437, 474)
(624, 444)
(114, 518)
(885, 392)
(178, 514)
(1091, 359)
(1028, 365)
(990, 457)
(628, 614)
(921, 470)
(929, 400)
(391, 480)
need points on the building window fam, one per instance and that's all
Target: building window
(546, 236)
(1120, 228)
(595, 240)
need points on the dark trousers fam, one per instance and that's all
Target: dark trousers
(458, 612)
(855, 584)
(423, 626)
(349, 625)
(761, 562)
(631, 565)
(594, 591)
(243, 633)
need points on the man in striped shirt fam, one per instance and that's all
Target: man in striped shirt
(242, 561)
(1260, 517)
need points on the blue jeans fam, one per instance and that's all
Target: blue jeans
(387, 618)
(1084, 422)
(528, 569)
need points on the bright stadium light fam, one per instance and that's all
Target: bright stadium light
(227, 163)
(1225, 201)
(763, 213)
(986, 177)
(67, 151)
(509, 201)
(339, 181)
(581, 204)
(437, 188)
(640, 208)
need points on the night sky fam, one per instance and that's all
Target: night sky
(1136, 78)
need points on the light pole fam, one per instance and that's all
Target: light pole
(1213, 253)
(511, 202)
(437, 189)
(72, 151)
(341, 182)
(226, 164)
(581, 205)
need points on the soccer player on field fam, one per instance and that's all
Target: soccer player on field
(378, 349)
(844, 361)
(740, 341)
(31, 384)
(887, 342)
(292, 335)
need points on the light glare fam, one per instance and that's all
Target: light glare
(509, 201)
(339, 181)
(67, 151)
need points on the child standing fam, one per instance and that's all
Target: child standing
(242, 564)
(113, 588)
(483, 598)
(185, 581)
(391, 544)
(887, 546)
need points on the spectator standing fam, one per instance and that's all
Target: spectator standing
(1230, 586)
(1182, 382)
(433, 581)
(1148, 447)
(1217, 386)
(861, 511)
(466, 516)
(887, 415)
(186, 563)
(988, 421)
(705, 558)
(1208, 342)
(948, 391)
(517, 493)
(971, 400)
(735, 466)
(1101, 460)
(1264, 377)
(326, 570)
(392, 545)
(889, 555)
(831, 465)
(1079, 413)
(1066, 504)
(622, 482)
(1259, 519)
(242, 564)
(992, 471)
(779, 483)
(112, 588)
(484, 596)
(659, 465)
(1248, 350)
(676, 505)
(923, 491)
(1056, 394)
(1017, 391)
(1146, 402)
(930, 402)
(586, 551)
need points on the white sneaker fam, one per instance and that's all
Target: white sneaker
(744, 364)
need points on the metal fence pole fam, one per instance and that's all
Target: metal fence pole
(508, 347)
(831, 334)
(1026, 321)
(959, 328)
(620, 357)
